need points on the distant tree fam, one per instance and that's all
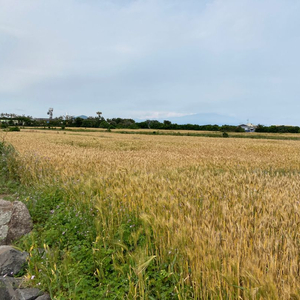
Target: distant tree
(273, 129)
(148, 123)
(142, 125)
(154, 124)
(87, 122)
(104, 124)
(112, 123)
(231, 128)
(261, 128)
(167, 124)
(78, 122)
(239, 129)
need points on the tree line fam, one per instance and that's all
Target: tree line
(122, 123)
(114, 123)
(278, 129)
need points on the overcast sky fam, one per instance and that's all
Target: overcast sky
(214, 61)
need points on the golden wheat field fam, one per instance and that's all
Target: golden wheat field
(230, 208)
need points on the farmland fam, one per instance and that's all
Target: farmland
(129, 216)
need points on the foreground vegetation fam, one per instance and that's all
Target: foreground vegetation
(159, 217)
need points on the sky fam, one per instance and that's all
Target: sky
(191, 61)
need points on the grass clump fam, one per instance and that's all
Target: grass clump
(14, 128)
(225, 135)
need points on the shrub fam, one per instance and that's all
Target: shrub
(15, 128)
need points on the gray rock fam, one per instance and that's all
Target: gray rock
(5, 217)
(20, 222)
(7, 287)
(3, 234)
(44, 297)
(6, 209)
(10, 289)
(6, 291)
(11, 260)
(4, 295)
(15, 283)
(27, 294)
(15, 221)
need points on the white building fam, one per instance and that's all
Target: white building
(249, 127)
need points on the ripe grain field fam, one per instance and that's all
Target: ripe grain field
(184, 217)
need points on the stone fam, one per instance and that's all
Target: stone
(11, 260)
(20, 222)
(6, 209)
(3, 233)
(27, 294)
(8, 286)
(16, 283)
(11, 289)
(5, 217)
(6, 291)
(15, 221)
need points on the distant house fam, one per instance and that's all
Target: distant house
(249, 127)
